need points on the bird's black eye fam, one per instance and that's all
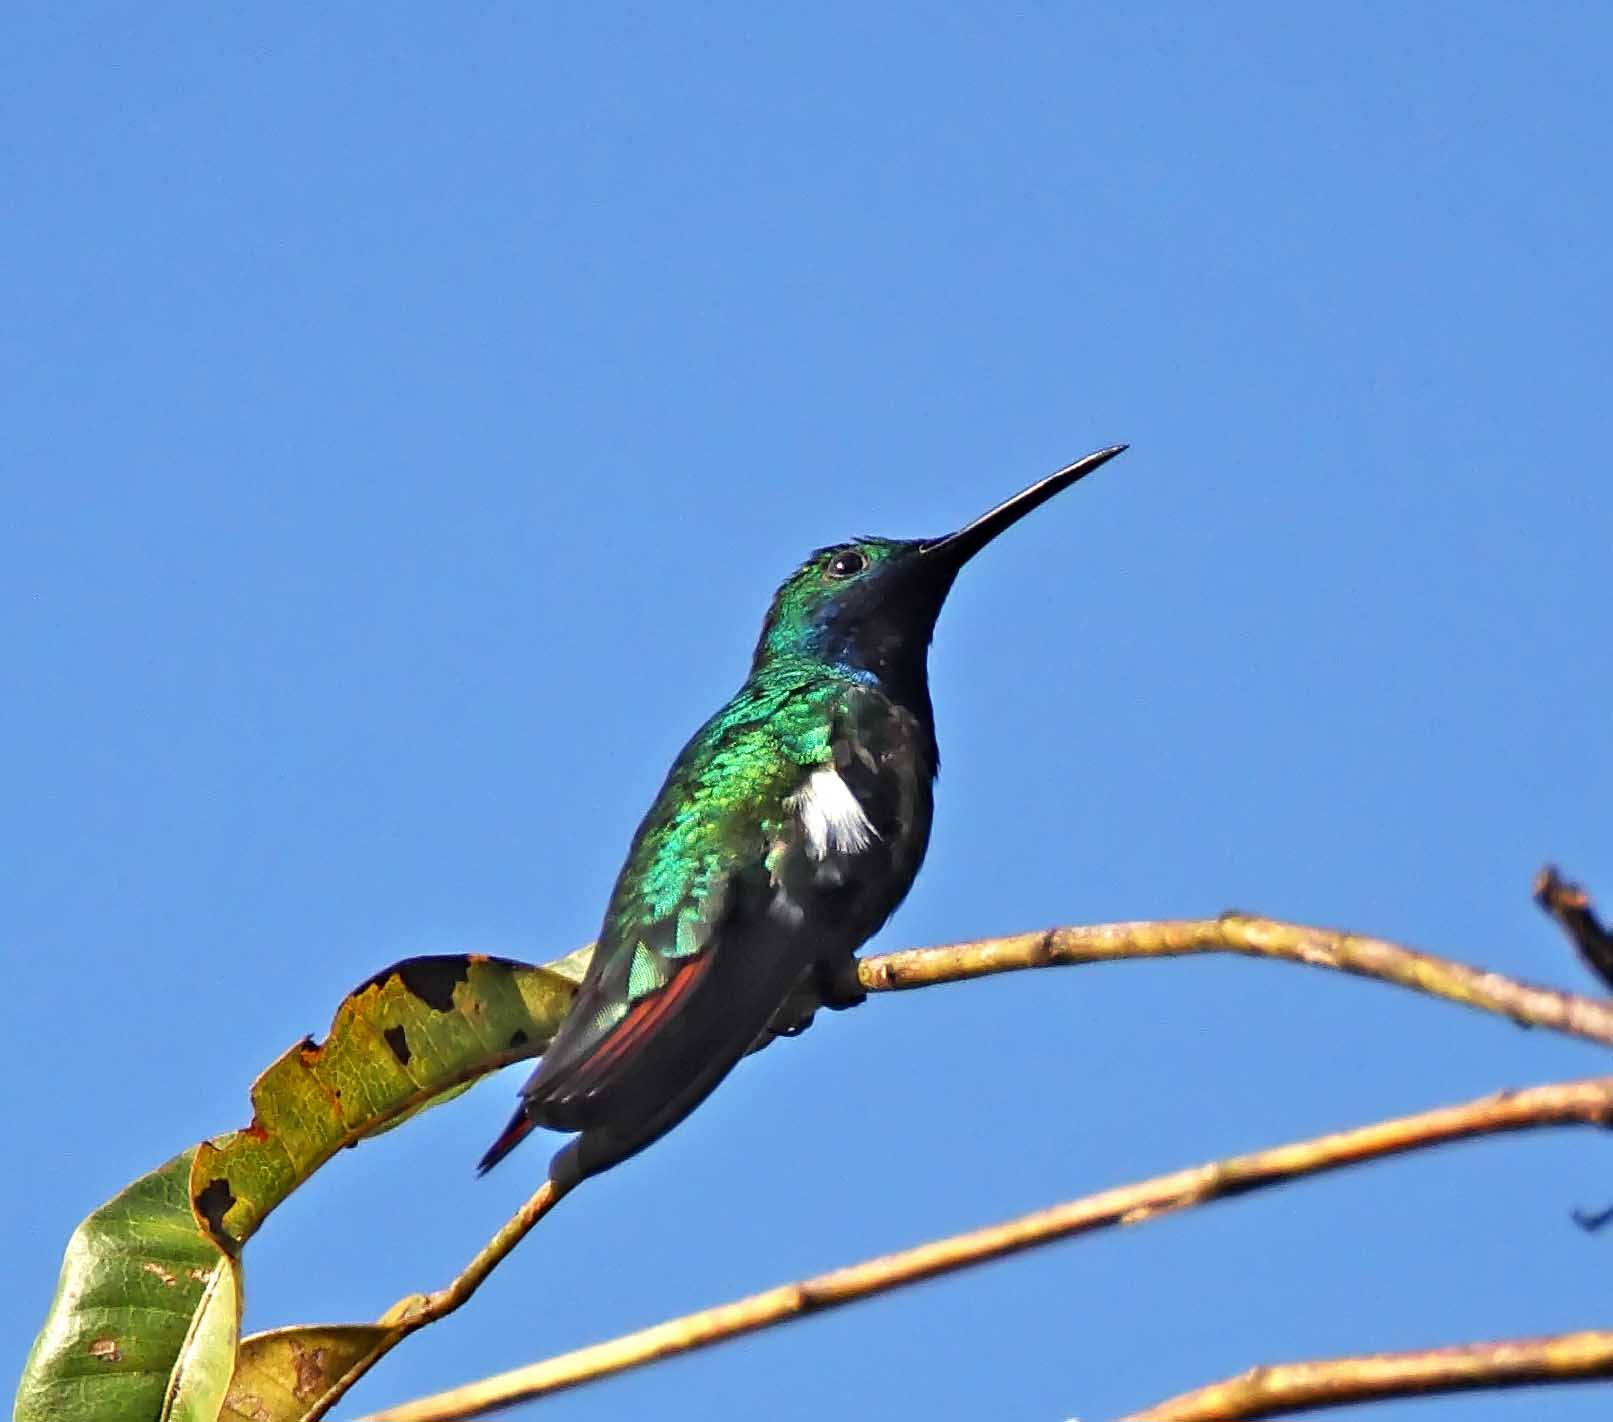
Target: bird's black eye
(845, 565)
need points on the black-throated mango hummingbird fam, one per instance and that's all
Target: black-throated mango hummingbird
(788, 830)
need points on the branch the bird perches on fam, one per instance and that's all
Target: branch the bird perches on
(1588, 1101)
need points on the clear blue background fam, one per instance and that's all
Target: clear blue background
(407, 412)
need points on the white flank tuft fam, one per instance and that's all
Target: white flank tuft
(831, 815)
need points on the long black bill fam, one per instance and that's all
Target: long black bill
(955, 549)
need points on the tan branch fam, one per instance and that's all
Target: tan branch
(1373, 1377)
(1587, 1102)
(1566, 1012)
(923, 967)
(417, 1310)
(1570, 905)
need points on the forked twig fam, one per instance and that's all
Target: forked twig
(1244, 934)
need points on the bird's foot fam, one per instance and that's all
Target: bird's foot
(838, 984)
(793, 1017)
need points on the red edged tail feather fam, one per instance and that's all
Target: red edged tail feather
(570, 1077)
(593, 1069)
(520, 1127)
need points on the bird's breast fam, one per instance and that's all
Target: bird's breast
(856, 829)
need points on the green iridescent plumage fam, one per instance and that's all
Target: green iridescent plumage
(787, 831)
(720, 811)
(724, 801)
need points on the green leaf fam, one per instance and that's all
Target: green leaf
(417, 1033)
(279, 1375)
(206, 1359)
(145, 1318)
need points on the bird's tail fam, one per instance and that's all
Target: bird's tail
(520, 1127)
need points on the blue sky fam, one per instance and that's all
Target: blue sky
(408, 412)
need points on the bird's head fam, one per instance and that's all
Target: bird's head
(868, 607)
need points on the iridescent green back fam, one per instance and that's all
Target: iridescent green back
(717, 818)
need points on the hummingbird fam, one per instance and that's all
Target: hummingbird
(787, 831)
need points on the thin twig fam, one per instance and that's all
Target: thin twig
(1587, 1102)
(417, 1310)
(1372, 1377)
(1570, 905)
(1590, 1018)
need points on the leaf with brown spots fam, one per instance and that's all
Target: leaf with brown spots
(412, 1036)
(145, 1318)
(279, 1375)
